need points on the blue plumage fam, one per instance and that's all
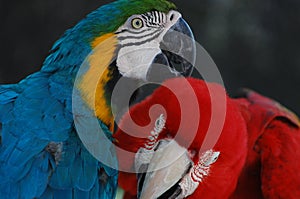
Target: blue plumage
(41, 155)
(29, 123)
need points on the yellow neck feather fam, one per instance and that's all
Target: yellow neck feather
(94, 80)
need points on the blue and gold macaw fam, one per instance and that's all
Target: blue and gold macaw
(41, 154)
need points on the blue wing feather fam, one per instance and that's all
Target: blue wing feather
(63, 193)
(89, 172)
(10, 191)
(32, 115)
(48, 194)
(78, 194)
(38, 176)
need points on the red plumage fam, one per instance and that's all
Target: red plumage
(259, 141)
(273, 150)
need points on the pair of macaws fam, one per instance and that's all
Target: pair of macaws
(47, 118)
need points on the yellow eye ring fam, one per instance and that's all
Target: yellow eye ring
(137, 23)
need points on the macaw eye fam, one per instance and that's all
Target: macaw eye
(137, 23)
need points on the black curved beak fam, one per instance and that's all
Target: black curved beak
(180, 48)
(178, 53)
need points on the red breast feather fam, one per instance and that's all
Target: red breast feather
(174, 93)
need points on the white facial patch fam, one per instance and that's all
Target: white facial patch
(140, 45)
(134, 62)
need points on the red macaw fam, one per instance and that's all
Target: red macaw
(256, 153)
(273, 157)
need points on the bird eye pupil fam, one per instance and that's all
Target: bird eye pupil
(137, 23)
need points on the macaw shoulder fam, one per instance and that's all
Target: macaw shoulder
(274, 140)
(261, 112)
(264, 109)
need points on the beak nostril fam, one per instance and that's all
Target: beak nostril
(171, 17)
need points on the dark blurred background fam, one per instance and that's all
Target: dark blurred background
(255, 44)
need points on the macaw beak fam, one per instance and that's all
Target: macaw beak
(168, 165)
(178, 53)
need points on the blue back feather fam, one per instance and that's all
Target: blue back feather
(38, 111)
(32, 115)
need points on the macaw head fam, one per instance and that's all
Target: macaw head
(153, 35)
(136, 33)
(136, 39)
(167, 161)
(142, 33)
